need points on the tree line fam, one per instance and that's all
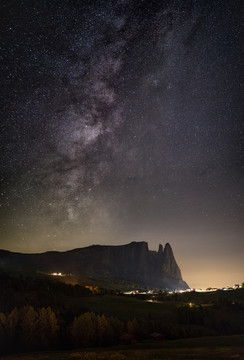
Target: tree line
(39, 313)
(29, 328)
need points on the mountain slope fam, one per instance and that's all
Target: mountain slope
(133, 262)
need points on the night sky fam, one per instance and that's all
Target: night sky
(122, 121)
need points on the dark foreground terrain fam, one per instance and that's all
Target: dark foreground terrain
(221, 347)
(40, 313)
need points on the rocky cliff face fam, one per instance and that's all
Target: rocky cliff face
(134, 262)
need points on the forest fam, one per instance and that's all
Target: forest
(38, 312)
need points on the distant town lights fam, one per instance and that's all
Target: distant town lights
(56, 274)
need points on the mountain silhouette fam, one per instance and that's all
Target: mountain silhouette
(131, 262)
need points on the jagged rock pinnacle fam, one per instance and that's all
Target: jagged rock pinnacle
(160, 249)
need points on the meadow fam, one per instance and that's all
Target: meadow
(39, 313)
(221, 347)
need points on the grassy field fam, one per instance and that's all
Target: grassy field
(221, 347)
(125, 307)
(186, 316)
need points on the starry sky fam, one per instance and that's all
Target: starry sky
(122, 121)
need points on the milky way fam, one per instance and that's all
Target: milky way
(122, 120)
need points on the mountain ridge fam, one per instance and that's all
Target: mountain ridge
(133, 262)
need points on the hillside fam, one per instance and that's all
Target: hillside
(130, 262)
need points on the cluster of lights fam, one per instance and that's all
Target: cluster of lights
(133, 292)
(57, 274)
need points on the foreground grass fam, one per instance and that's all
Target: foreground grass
(127, 307)
(221, 347)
